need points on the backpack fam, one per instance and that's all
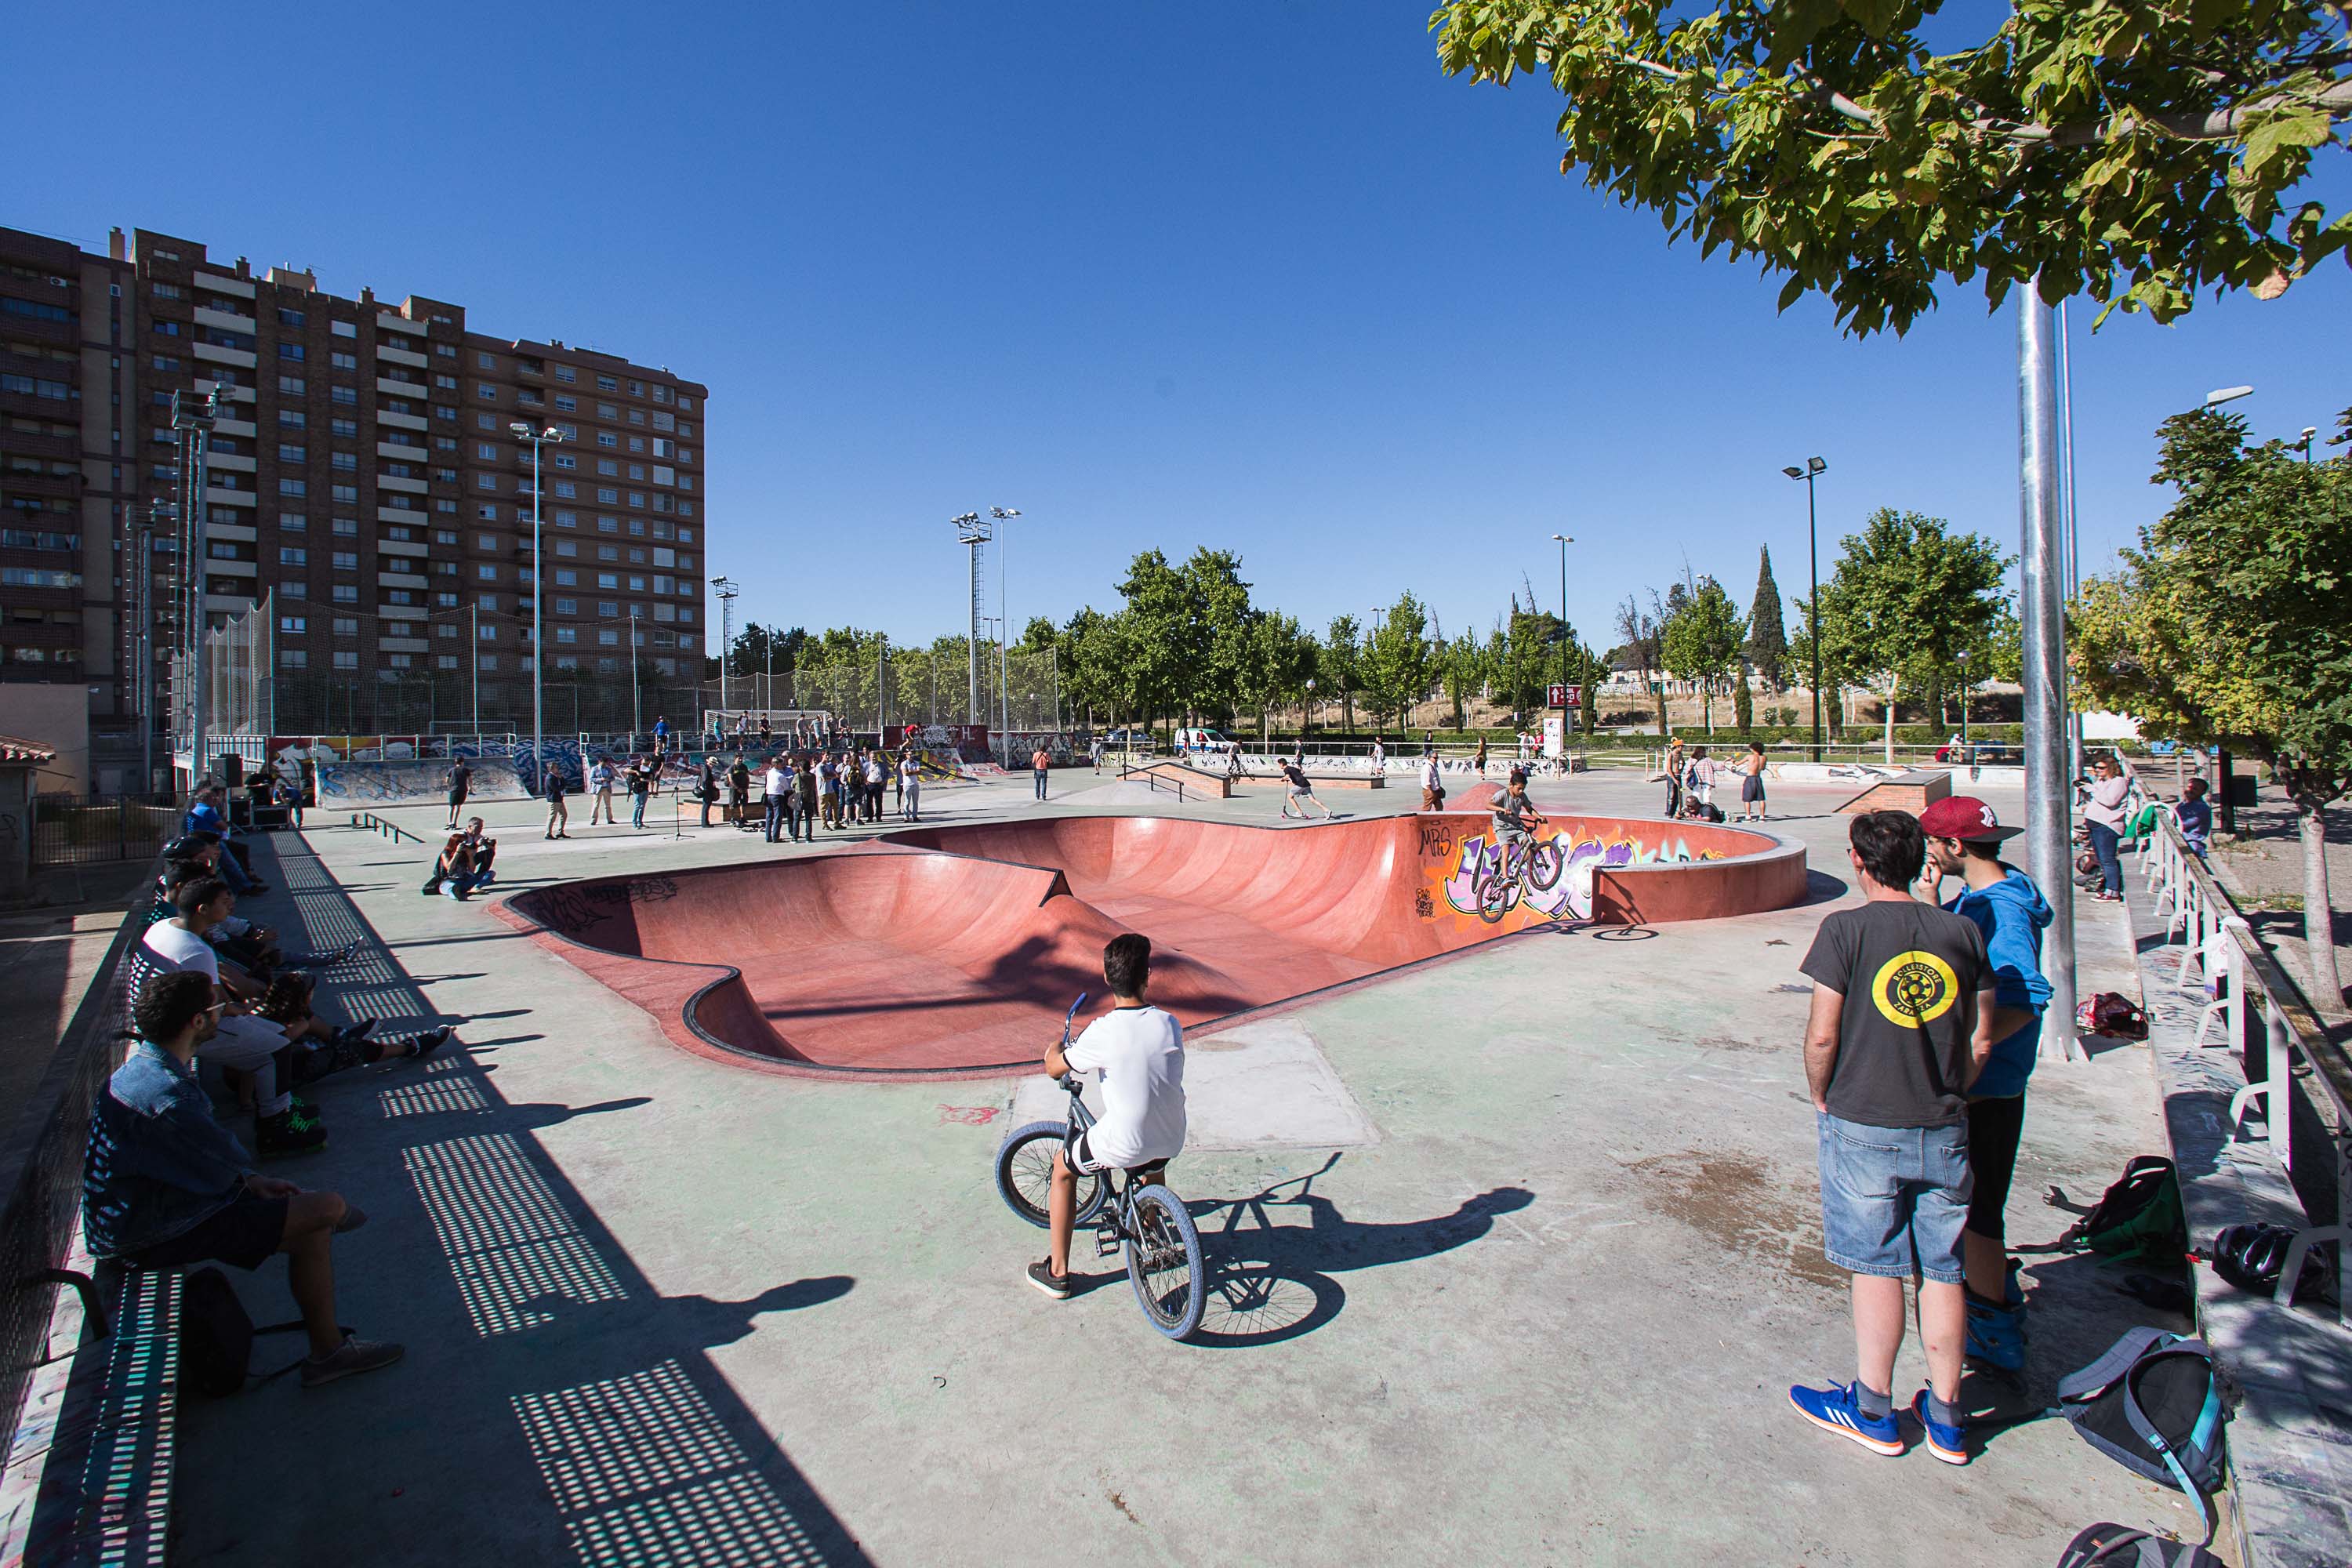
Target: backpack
(2153, 1405)
(2137, 1218)
(2120, 1546)
(216, 1337)
(2111, 1014)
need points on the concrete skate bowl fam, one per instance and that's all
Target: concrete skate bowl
(955, 951)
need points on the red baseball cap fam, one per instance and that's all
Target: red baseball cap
(1965, 817)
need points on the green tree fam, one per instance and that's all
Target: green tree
(1338, 673)
(1040, 635)
(1701, 640)
(1743, 702)
(1638, 635)
(1218, 645)
(2133, 150)
(1767, 639)
(2228, 626)
(1160, 647)
(1396, 664)
(760, 649)
(1906, 599)
(1280, 658)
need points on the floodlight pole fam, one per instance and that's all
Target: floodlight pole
(1003, 632)
(1813, 467)
(727, 592)
(2048, 816)
(973, 533)
(538, 440)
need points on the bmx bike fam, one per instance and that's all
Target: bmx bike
(1133, 1212)
(1503, 881)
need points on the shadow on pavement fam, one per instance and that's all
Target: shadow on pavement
(554, 1404)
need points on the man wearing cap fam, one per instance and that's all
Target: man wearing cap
(1964, 838)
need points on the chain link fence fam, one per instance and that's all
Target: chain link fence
(1020, 691)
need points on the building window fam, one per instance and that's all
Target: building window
(607, 383)
(292, 521)
(485, 392)
(288, 452)
(347, 626)
(486, 361)
(347, 462)
(293, 659)
(290, 386)
(293, 556)
(347, 561)
(350, 494)
(293, 486)
(292, 351)
(608, 579)
(489, 511)
(294, 590)
(348, 397)
(343, 329)
(343, 361)
(607, 438)
(488, 662)
(347, 659)
(487, 572)
(295, 624)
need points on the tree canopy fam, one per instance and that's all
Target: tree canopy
(1906, 599)
(2136, 151)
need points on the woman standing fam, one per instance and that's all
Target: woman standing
(1751, 784)
(2104, 814)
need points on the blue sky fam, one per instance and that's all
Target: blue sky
(1158, 274)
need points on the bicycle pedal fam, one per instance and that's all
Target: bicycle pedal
(1106, 1242)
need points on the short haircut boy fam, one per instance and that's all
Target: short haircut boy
(1127, 963)
(168, 1004)
(196, 895)
(1890, 846)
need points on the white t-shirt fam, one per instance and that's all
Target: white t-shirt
(1139, 1053)
(176, 948)
(775, 782)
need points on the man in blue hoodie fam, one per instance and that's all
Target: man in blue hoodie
(1964, 838)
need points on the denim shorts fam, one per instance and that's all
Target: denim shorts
(1893, 1198)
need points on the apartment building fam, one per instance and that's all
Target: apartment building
(366, 478)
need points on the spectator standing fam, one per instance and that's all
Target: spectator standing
(1704, 770)
(1380, 757)
(1964, 839)
(461, 782)
(1433, 784)
(558, 816)
(641, 786)
(706, 786)
(600, 780)
(2105, 813)
(1902, 1020)
(2194, 813)
(661, 736)
(805, 791)
(773, 786)
(1751, 783)
(1674, 766)
(1039, 761)
(1478, 762)
(765, 738)
(164, 1186)
(289, 796)
(826, 798)
(910, 787)
(1095, 753)
(739, 789)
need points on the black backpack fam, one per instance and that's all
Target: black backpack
(2153, 1405)
(2139, 1217)
(216, 1337)
(2120, 1546)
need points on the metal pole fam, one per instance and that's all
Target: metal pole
(474, 658)
(2073, 570)
(143, 656)
(636, 712)
(881, 686)
(538, 664)
(1813, 605)
(2041, 608)
(199, 440)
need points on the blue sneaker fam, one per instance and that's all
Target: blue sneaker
(1950, 1444)
(1835, 1409)
(1997, 1336)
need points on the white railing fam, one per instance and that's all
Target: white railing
(2259, 1015)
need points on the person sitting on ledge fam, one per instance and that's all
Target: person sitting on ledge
(164, 1186)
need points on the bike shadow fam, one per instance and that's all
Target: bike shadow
(1270, 1276)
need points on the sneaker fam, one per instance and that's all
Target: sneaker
(431, 1040)
(1950, 1444)
(353, 1355)
(1836, 1409)
(1042, 1275)
(1997, 1336)
(287, 1134)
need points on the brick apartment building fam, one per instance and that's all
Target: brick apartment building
(364, 475)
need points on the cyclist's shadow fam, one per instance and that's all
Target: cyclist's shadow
(1271, 1281)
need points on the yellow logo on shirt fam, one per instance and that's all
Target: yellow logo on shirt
(1914, 988)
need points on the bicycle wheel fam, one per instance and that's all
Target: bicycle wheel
(1024, 1174)
(1543, 863)
(1495, 892)
(1163, 1263)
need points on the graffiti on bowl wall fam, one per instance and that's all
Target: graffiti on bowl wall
(1462, 864)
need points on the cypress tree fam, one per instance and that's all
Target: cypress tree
(1768, 643)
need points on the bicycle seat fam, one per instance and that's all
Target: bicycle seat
(1143, 1174)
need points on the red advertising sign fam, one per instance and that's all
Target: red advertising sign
(1560, 696)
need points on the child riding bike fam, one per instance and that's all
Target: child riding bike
(1516, 817)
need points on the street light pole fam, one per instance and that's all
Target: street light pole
(1565, 541)
(636, 709)
(727, 592)
(538, 441)
(1813, 466)
(974, 534)
(195, 425)
(1004, 514)
(2041, 609)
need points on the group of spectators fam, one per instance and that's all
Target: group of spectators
(801, 792)
(164, 1184)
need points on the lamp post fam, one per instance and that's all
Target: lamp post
(538, 441)
(194, 422)
(1004, 514)
(1964, 704)
(636, 709)
(2309, 432)
(727, 592)
(1813, 466)
(1565, 541)
(974, 534)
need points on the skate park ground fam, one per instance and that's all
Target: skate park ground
(1512, 1258)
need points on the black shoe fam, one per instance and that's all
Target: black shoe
(289, 1133)
(1042, 1275)
(430, 1041)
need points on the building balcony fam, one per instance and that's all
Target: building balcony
(392, 388)
(230, 462)
(400, 644)
(215, 353)
(228, 498)
(400, 356)
(398, 580)
(229, 392)
(400, 453)
(400, 514)
(399, 547)
(233, 568)
(400, 421)
(389, 482)
(231, 603)
(25, 444)
(392, 323)
(230, 531)
(219, 285)
(224, 320)
(244, 427)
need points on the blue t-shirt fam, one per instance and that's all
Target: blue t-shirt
(2012, 913)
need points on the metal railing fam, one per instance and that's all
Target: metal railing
(91, 830)
(2263, 1018)
(392, 830)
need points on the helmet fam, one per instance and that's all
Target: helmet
(2250, 1257)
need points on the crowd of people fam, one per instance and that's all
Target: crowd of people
(166, 1184)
